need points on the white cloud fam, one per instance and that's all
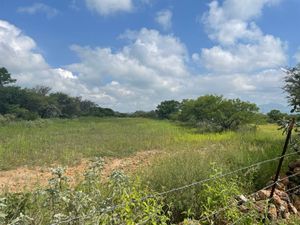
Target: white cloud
(297, 56)
(246, 9)
(164, 19)
(39, 8)
(267, 52)
(151, 68)
(18, 54)
(17, 50)
(144, 72)
(106, 7)
(261, 87)
(242, 46)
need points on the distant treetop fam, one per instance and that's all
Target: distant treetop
(5, 77)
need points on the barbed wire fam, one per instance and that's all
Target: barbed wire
(205, 180)
(248, 196)
(223, 175)
(112, 208)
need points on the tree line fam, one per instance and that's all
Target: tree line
(39, 102)
(210, 112)
(218, 113)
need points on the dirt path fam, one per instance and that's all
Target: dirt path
(24, 178)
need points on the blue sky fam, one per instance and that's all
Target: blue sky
(131, 54)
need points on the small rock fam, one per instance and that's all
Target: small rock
(261, 206)
(292, 208)
(279, 202)
(286, 215)
(283, 195)
(262, 195)
(296, 201)
(281, 186)
(242, 199)
(282, 210)
(272, 213)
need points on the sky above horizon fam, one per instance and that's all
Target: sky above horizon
(130, 55)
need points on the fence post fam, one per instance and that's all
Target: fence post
(287, 140)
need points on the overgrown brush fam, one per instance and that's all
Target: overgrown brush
(120, 200)
(185, 167)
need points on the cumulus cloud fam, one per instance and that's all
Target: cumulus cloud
(260, 87)
(18, 54)
(266, 53)
(39, 8)
(241, 45)
(106, 7)
(297, 56)
(149, 69)
(14, 45)
(164, 19)
(141, 74)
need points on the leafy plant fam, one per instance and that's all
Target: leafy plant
(218, 194)
(120, 200)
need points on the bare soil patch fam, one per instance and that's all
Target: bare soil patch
(24, 178)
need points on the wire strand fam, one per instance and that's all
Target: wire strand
(248, 196)
(112, 208)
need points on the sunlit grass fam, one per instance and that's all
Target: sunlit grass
(186, 156)
(67, 141)
(228, 151)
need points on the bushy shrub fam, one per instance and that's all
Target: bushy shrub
(7, 118)
(219, 202)
(207, 127)
(120, 200)
(22, 113)
(220, 194)
(217, 111)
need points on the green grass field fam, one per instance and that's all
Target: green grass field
(187, 156)
(67, 141)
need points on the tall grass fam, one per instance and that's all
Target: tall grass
(187, 156)
(67, 141)
(241, 149)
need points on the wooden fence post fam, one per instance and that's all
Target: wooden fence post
(285, 147)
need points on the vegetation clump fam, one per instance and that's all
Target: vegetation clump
(120, 200)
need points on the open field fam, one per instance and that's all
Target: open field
(66, 141)
(163, 154)
(184, 152)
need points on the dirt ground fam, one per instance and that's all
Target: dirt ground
(24, 178)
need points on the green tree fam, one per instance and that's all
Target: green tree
(275, 115)
(68, 106)
(292, 87)
(150, 114)
(217, 113)
(37, 102)
(42, 90)
(167, 108)
(9, 96)
(5, 77)
(86, 107)
(101, 112)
